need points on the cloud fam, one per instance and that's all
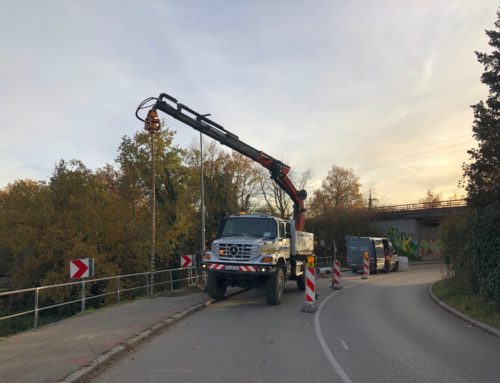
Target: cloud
(315, 82)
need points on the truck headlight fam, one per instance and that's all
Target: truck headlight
(267, 259)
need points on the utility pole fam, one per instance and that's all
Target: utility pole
(152, 125)
(202, 202)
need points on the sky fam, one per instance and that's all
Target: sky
(383, 87)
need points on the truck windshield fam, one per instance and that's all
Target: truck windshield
(255, 227)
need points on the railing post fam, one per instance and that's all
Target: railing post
(147, 284)
(35, 323)
(83, 297)
(171, 281)
(118, 291)
(152, 283)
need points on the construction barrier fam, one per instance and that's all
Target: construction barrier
(366, 266)
(310, 295)
(336, 285)
(403, 263)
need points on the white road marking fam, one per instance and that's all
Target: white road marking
(344, 344)
(319, 334)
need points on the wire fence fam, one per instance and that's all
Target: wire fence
(66, 299)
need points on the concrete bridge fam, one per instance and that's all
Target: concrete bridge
(414, 228)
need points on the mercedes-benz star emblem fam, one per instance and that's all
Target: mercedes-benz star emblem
(233, 250)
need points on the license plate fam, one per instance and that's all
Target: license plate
(232, 267)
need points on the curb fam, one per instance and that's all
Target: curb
(463, 316)
(422, 263)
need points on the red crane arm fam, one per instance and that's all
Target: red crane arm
(200, 122)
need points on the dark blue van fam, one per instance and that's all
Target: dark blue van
(380, 251)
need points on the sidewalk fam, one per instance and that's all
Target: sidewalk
(67, 350)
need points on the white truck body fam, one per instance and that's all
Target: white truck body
(257, 250)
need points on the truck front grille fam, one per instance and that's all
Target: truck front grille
(230, 251)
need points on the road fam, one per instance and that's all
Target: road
(385, 329)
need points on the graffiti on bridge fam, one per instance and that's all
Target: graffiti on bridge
(403, 243)
(430, 248)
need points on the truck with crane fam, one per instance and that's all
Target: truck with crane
(251, 250)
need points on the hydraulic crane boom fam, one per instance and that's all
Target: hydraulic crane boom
(279, 171)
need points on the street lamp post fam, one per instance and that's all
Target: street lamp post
(152, 125)
(202, 203)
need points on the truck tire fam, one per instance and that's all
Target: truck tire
(275, 286)
(216, 288)
(301, 282)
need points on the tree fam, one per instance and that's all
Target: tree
(176, 217)
(221, 191)
(340, 189)
(275, 200)
(431, 198)
(476, 267)
(483, 174)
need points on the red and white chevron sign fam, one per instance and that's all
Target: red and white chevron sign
(186, 260)
(248, 268)
(79, 268)
(310, 285)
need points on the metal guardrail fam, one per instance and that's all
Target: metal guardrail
(192, 277)
(420, 206)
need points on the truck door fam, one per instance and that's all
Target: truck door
(284, 244)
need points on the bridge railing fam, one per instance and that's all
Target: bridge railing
(111, 289)
(420, 206)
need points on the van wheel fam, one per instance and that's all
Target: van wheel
(275, 286)
(216, 287)
(396, 266)
(354, 271)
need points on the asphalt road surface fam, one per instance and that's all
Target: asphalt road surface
(385, 329)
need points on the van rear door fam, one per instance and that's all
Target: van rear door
(356, 246)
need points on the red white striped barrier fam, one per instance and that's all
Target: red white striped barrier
(366, 266)
(216, 266)
(336, 285)
(310, 290)
(221, 266)
(311, 286)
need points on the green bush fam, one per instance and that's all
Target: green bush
(484, 244)
(470, 243)
(453, 246)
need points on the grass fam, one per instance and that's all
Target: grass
(452, 294)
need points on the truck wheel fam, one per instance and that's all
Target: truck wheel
(301, 282)
(275, 286)
(216, 288)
